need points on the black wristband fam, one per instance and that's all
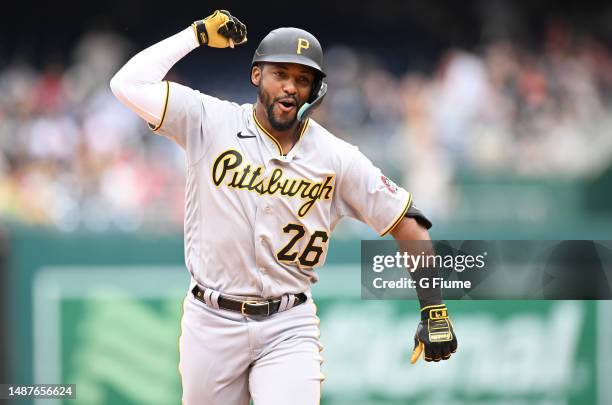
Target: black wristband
(427, 295)
(200, 31)
(430, 300)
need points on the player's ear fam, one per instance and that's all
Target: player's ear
(256, 75)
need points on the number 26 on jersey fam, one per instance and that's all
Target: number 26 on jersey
(311, 254)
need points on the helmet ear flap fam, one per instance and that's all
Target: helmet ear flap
(315, 100)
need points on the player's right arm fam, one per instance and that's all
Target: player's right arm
(138, 84)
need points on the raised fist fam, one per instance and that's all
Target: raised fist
(220, 30)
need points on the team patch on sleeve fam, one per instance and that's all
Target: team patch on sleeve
(391, 186)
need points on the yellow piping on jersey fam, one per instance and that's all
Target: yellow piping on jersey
(278, 145)
(321, 375)
(301, 133)
(165, 108)
(399, 218)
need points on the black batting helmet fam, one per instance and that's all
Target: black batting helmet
(294, 45)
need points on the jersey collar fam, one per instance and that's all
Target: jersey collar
(276, 143)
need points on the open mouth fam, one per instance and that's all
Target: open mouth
(287, 104)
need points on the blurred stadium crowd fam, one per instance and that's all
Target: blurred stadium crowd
(71, 156)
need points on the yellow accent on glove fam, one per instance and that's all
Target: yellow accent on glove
(435, 336)
(416, 353)
(220, 30)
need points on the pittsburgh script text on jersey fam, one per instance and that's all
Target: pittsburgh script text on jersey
(249, 177)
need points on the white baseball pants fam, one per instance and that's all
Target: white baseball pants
(227, 358)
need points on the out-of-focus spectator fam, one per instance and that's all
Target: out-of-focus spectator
(71, 156)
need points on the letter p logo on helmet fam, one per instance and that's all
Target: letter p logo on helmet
(302, 44)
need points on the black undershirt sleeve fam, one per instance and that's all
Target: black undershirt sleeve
(417, 214)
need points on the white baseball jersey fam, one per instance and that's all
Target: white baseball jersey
(257, 223)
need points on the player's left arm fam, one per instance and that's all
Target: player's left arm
(435, 335)
(364, 193)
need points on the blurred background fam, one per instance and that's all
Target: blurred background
(496, 115)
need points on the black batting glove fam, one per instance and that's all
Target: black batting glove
(435, 336)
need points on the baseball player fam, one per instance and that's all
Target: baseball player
(266, 185)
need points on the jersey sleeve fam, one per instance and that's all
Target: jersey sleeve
(366, 194)
(172, 110)
(189, 119)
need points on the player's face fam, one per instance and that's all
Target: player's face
(283, 89)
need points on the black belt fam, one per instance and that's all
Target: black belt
(250, 308)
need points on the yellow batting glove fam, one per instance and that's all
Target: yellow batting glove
(435, 336)
(220, 30)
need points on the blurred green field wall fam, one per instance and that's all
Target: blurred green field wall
(102, 312)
